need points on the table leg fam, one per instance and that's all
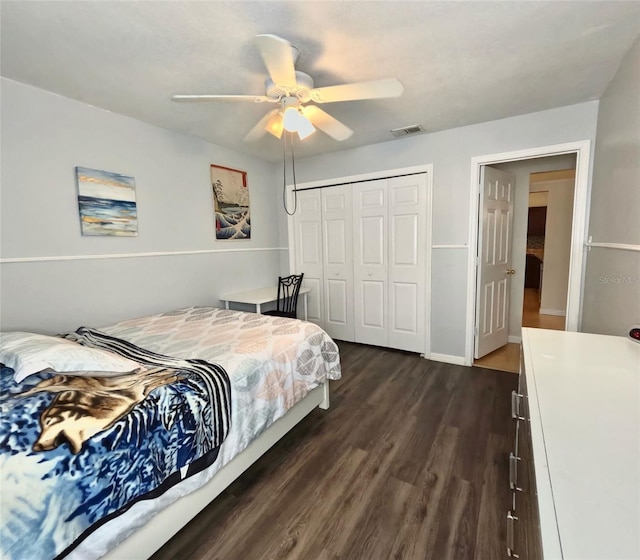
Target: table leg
(226, 305)
(258, 309)
(304, 301)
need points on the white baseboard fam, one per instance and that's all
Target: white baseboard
(516, 339)
(557, 312)
(447, 359)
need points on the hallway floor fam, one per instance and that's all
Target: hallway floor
(507, 358)
(531, 316)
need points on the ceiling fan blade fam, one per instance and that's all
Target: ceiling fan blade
(325, 122)
(375, 89)
(277, 54)
(254, 98)
(260, 129)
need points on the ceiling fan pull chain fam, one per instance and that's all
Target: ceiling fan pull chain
(284, 175)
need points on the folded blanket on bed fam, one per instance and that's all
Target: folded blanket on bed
(76, 451)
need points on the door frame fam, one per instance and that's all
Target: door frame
(582, 149)
(426, 168)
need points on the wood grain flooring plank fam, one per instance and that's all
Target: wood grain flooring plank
(188, 542)
(428, 411)
(308, 513)
(452, 529)
(417, 534)
(471, 412)
(374, 536)
(495, 492)
(355, 503)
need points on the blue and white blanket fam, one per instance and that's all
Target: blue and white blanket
(76, 451)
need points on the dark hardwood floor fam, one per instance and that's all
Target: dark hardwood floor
(410, 462)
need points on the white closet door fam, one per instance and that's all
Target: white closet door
(407, 203)
(370, 273)
(308, 247)
(337, 232)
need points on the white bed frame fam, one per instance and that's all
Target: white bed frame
(152, 536)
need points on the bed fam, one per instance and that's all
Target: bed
(264, 375)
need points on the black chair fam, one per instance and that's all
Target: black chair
(288, 290)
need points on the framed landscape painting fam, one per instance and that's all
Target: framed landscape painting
(107, 203)
(231, 203)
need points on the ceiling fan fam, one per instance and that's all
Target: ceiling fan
(293, 91)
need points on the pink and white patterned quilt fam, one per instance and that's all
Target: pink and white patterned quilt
(273, 362)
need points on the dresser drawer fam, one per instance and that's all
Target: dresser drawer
(523, 527)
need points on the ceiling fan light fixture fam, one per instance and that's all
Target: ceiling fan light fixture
(290, 119)
(295, 121)
(275, 125)
(305, 128)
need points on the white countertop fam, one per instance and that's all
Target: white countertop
(584, 393)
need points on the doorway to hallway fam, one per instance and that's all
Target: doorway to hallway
(582, 150)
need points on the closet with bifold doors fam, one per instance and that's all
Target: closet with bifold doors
(361, 246)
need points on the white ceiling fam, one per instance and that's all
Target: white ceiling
(460, 62)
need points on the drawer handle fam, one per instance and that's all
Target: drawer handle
(515, 406)
(511, 523)
(513, 472)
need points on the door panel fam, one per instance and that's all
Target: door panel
(370, 261)
(338, 261)
(408, 194)
(405, 227)
(337, 302)
(375, 197)
(487, 309)
(373, 240)
(309, 239)
(407, 238)
(406, 317)
(308, 248)
(314, 303)
(494, 261)
(336, 246)
(373, 297)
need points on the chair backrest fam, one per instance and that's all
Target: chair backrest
(288, 290)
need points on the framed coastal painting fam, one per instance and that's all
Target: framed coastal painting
(231, 203)
(107, 203)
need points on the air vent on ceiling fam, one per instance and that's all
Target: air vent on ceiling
(406, 130)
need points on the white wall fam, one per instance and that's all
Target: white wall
(44, 137)
(538, 199)
(522, 170)
(612, 283)
(557, 245)
(451, 151)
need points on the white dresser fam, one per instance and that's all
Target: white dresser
(575, 469)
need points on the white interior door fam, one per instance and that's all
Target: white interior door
(494, 260)
(337, 229)
(370, 274)
(407, 202)
(308, 247)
